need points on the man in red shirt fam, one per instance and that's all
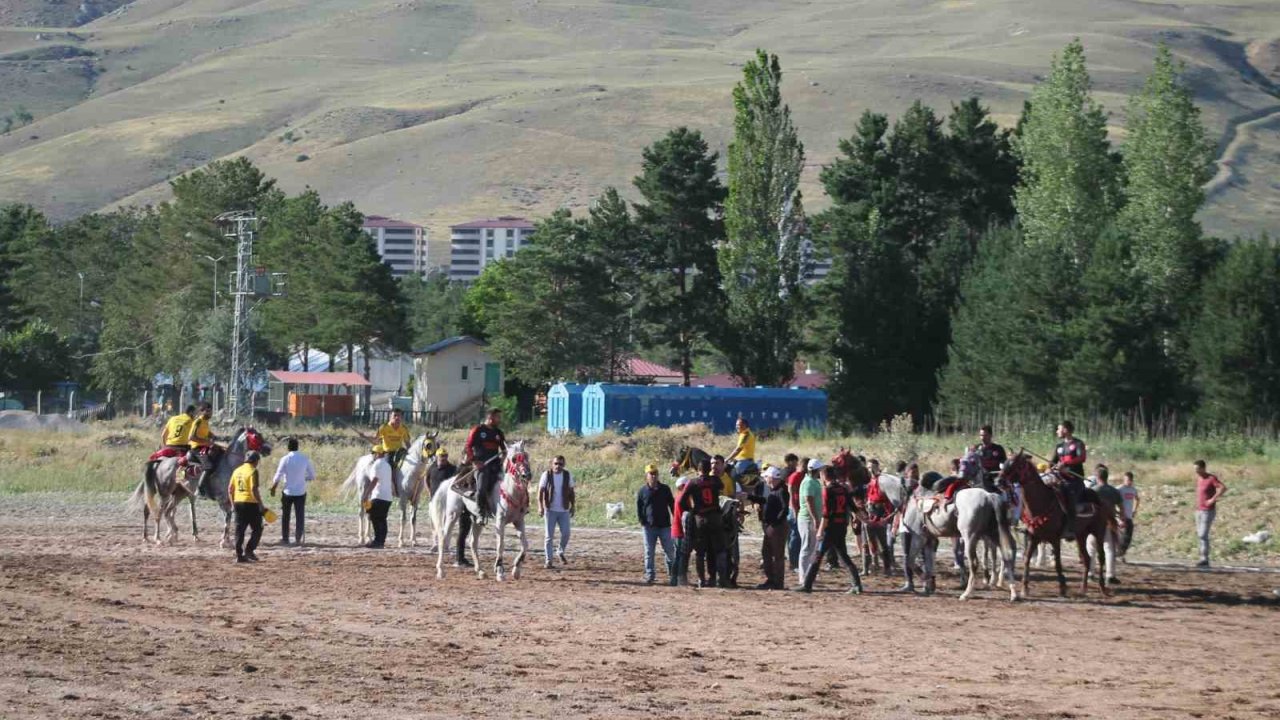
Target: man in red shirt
(837, 504)
(1209, 489)
(484, 449)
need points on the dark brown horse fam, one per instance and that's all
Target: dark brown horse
(1044, 519)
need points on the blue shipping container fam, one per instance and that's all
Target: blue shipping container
(564, 408)
(627, 407)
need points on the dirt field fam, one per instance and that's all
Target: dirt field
(93, 624)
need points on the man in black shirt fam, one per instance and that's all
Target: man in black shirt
(991, 455)
(775, 504)
(654, 505)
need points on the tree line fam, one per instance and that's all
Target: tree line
(972, 268)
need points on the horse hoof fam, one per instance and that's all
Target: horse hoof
(964, 596)
(440, 574)
(515, 574)
(480, 574)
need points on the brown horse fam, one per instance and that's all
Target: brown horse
(1044, 518)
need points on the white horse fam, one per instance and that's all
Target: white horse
(155, 495)
(983, 518)
(412, 475)
(510, 500)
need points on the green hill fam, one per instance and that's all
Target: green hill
(440, 111)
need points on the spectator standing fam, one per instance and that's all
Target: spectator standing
(654, 505)
(773, 523)
(379, 490)
(1131, 500)
(295, 470)
(443, 470)
(681, 533)
(701, 501)
(795, 476)
(247, 501)
(1209, 490)
(837, 503)
(807, 517)
(556, 505)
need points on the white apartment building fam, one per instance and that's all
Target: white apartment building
(401, 245)
(479, 242)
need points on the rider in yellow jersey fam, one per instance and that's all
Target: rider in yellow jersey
(202, 440)
(743, 457)
(395, 437)
(177, 431)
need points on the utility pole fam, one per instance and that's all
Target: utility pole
(250, 286)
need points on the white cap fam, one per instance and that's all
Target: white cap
(773, 472)
(815, 464)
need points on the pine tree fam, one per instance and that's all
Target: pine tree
(1008, 332)
(1116, 362)
(984, 169)
(1167, 160)
(16, 223)
(1235, 340)
(917, 212)
(680, 219)
(761, 257)
(1069, 189)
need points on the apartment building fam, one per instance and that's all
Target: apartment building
(472, 245)
(401, 245)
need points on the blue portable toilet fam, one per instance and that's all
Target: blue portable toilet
(564, 408)
(627, 407)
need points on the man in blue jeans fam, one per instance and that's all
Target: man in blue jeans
(794, 474)
(654, 505)
(556, 504)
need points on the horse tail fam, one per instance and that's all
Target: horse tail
(145, 494)
(1005, 527)
(436, 510)
(350, 484)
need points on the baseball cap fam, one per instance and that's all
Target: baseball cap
(377, 449)
(252, 456)
(816, 464)
(772, 473)
(651, 468)
(442, 451)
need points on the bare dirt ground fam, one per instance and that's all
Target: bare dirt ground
(94, 624)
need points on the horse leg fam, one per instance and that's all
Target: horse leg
(971, 556)
(910, 585)
(524, 549)
(930, 560)
(195, 532)
(413, 523)
(499, 570)
(442, 540)
(1056, 546)
(1028, 550)
(1082, 550)
(146, 515)
(475, 549)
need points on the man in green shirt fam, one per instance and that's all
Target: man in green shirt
(807, 518)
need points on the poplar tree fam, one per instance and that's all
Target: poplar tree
(1167, 161)
(1069, 189)
(761, 260)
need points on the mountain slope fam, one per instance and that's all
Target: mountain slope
(440, 111)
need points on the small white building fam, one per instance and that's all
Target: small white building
(454, 374)
(401, 245)
(474, 244)
(388, 372)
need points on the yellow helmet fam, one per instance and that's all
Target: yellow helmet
(379, 448)
(441, 451)
(651, 468)
(1043, 468)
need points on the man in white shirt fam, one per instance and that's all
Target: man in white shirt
(379, 491)
(556, 505)
(296, 470)
(1129, 493)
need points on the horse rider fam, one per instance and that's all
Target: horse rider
(702, 501)
(991, 455)
(743, 457)
(202, 442)
(394, 436)
(1068, 460)
(485, 443)
(833, 528)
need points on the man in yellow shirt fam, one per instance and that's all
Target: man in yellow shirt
(243, 491)
(177, 431)
(743, 456)
(202, 440)
(395, 437)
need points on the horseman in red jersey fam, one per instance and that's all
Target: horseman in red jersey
(1068, 460)
(485, 443)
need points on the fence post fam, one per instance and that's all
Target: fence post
(71, 404)
(39, 402)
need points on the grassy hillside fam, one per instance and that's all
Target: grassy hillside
(437, 111)
(609, 468)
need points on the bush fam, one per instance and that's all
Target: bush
(302, 157)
